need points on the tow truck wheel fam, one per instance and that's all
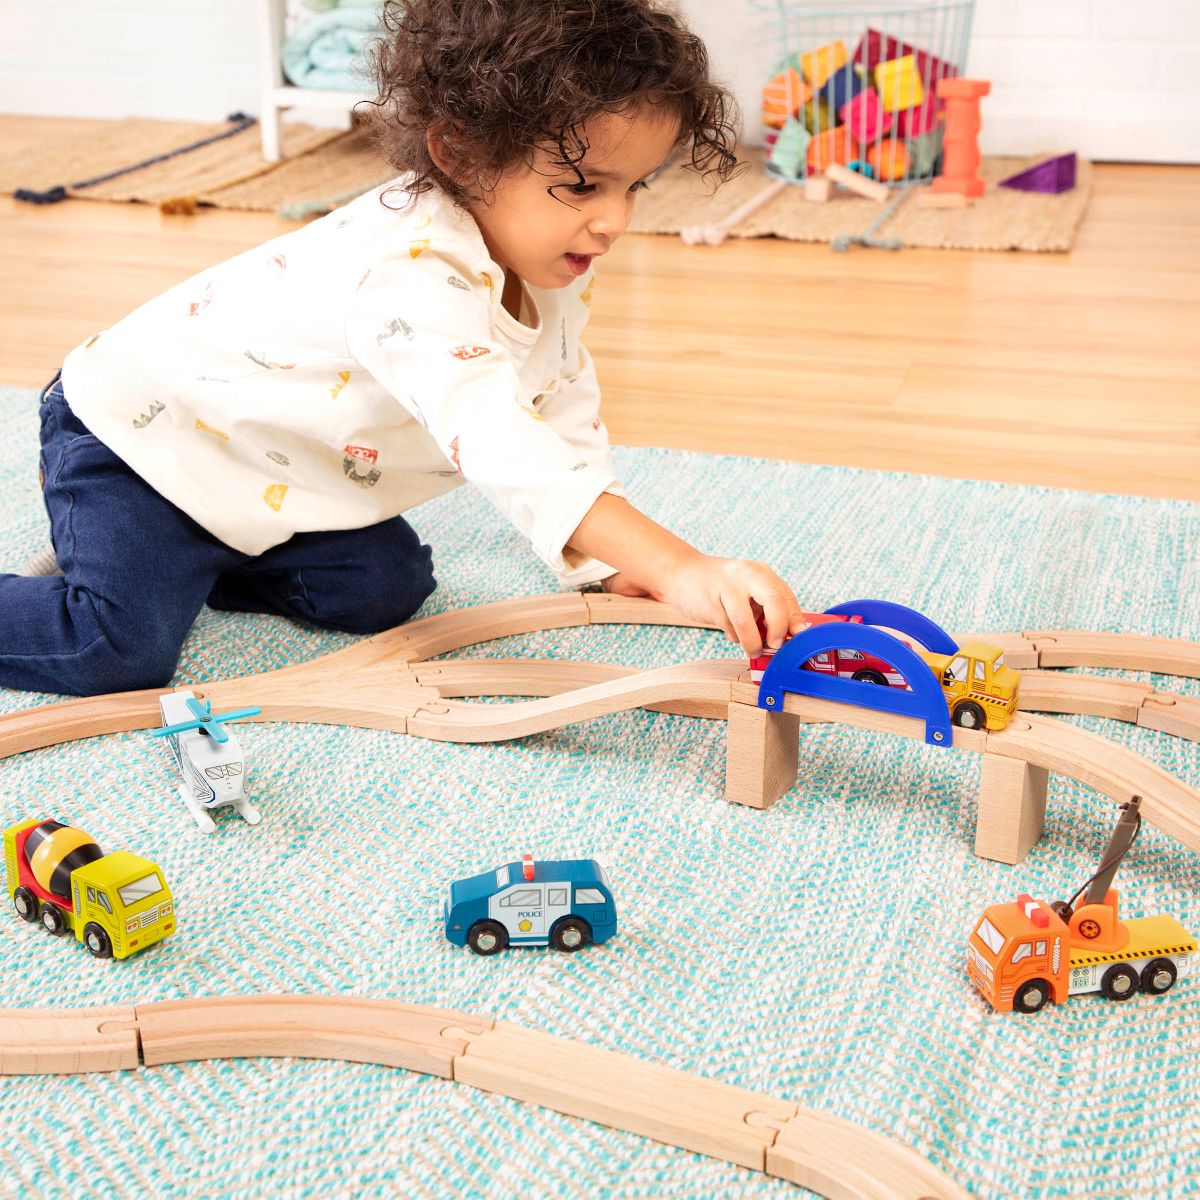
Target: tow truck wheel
(1031, 996)
(25, 902)
(570, 934)
(870, 677)
(96, 941)
(1119, 982)
(53, 922)
(1159, 976)
(969, 715)
(487, 937)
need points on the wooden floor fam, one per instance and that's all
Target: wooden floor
(1078, 370)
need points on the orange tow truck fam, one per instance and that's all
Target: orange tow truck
(1023, 954)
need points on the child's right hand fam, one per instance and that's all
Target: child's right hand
(732, 593)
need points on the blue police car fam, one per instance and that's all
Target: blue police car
(565, 904)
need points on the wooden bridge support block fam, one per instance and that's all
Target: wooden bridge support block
(761, 756)
(1012, 808)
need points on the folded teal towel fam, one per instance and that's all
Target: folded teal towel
(326, 52)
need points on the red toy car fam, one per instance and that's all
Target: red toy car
(846, 664)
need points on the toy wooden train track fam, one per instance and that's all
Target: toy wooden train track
(387, 682)
(816, 1150)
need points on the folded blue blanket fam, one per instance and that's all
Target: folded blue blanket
(326, 52)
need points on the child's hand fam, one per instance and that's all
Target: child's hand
(732, 593)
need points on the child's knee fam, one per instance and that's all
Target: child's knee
(106, 667)
(387, 597)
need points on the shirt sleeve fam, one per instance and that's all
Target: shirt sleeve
(573, 412)
(421, 322)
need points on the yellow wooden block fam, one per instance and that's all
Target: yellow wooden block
(819, 64)
(898, 84)
(818, 117)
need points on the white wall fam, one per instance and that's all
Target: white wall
(1110, 78)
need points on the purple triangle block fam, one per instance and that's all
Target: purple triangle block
(1053, 175)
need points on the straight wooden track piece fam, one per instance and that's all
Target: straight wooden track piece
(67, 1041)
(352, 1029)
(1131, 651)
(1056, 692)
(1176, 715)
(833, 1157)
(608, 609)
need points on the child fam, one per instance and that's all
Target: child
(251, 438)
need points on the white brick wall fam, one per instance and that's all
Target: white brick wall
(1116, 79)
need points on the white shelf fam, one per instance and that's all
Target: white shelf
(276, 95)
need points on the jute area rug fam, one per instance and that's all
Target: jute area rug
(813, 952)
(324, 168)
(1001, 219)
(321, 168)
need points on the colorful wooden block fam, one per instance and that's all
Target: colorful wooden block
(841, 87)
(817, 65)
(1052, 176)
(818, 117)
(831, 146)
(898, 84)
(854, 182)
(865, 116)
(875, 48)
(924, 153)
(919, 120)
(783, 96)
(791, 145)
(889, 159)
(818, 189)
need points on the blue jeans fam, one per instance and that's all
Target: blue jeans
(136, 571)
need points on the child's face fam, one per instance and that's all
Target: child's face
(545, 225)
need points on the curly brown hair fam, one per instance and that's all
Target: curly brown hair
(508, 76)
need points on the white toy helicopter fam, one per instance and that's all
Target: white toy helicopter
(209, 760)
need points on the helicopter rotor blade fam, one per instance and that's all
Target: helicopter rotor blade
(180, 727)
(236, 715)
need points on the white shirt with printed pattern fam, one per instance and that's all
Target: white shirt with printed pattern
(347, 371)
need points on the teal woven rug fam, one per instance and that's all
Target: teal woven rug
(813, 952)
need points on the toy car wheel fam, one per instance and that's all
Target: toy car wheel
(570, 934)
(487, 937)
(96, 941)
(53, 922)
(25, 903)
(1159, 976)
(1031, 996)
(870, 677)
(969, 715)
(1120, 982)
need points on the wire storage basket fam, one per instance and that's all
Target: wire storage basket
(857, 85)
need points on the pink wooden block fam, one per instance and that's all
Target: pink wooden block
(864, 116)
(913, 122)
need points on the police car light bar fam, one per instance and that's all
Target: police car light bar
(527, 867)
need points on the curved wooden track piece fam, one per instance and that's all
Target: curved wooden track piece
(826, 1154)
